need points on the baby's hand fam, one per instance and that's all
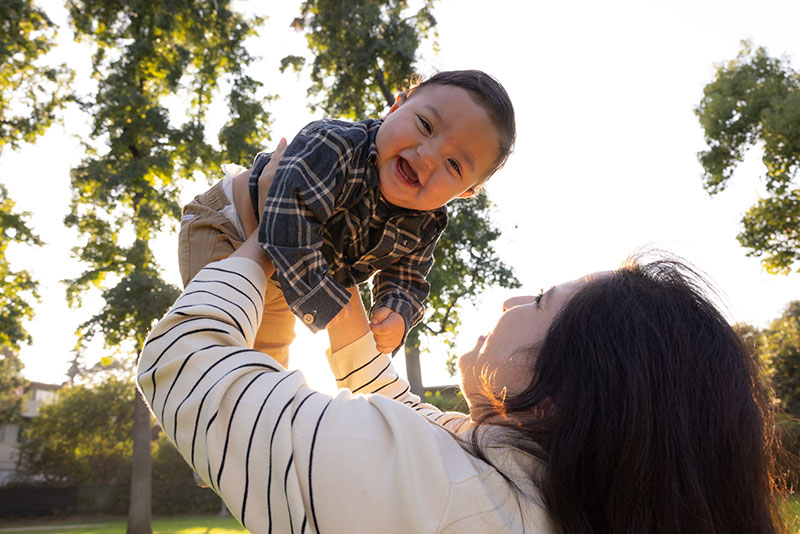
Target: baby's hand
(388, 328)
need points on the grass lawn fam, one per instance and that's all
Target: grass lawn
(210, 524)
(113, 525)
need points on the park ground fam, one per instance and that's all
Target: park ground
(198, 524)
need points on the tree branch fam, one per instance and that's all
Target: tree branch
(381, 79)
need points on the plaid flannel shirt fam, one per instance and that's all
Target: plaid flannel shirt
(326, 227)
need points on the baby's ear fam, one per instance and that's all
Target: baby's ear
(469, 193)
(399, 101)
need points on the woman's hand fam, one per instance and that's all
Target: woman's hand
(251, 248)
(241, 190)
(268, 174)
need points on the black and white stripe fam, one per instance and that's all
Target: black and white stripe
(284, 457)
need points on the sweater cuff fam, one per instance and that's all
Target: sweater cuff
(352, 356)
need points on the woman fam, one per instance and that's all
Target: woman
(620, 402)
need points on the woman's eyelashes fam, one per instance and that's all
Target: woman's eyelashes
(538, 298)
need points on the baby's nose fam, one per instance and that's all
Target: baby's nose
(426, 156)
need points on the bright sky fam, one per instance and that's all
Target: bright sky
(605, 159)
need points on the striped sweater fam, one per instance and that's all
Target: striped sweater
(288, 459)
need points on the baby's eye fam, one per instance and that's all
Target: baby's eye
(426, 125)
(453, 163)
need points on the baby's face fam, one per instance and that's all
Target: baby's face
(434, 147)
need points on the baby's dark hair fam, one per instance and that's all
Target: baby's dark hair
(489, 94)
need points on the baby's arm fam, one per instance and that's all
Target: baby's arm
(402, 287)
(388, 327)
(309, 179)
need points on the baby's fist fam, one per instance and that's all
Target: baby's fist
(388, 328)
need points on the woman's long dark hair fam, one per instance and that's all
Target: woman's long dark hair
(648, 411)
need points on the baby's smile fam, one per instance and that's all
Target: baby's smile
(405, 170)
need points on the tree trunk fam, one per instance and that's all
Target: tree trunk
(387, 94)
(139, 509)
(413, 371)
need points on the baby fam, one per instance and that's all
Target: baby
(353, 200)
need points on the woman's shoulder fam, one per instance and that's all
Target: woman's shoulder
(502, 496)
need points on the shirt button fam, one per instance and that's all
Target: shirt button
(308, 318)
(405, 242)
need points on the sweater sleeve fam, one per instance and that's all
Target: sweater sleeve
(361, 368)
(284, 457)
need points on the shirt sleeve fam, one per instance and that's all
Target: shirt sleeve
(286, 458)
(301, 199)
(403, 287)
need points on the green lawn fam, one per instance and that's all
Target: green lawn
(211, 524)
(161, 525)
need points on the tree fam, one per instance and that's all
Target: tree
(363, 51)
(82, 437)
(126, 189)
(779, 347)
(755, 100)
(31, 92)
(466, 265)
(17, 290)
(12, 387)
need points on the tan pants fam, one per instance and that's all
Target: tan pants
(207, 235)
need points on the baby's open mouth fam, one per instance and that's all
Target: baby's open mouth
(407, 171)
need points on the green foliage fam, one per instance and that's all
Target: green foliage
(466, 265)
(449, 402)
(17, 288)
(790, 510)
(787, 454)
(31, 91)
(755, 100)
(12, 387)
(363, 51)
(779, 348)
(128, 190)
(175, 490)
(83, 437)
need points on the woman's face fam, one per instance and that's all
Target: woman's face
(502, 353)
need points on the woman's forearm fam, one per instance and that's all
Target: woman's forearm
(251, 250)
(350, 324)
(241, 201)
